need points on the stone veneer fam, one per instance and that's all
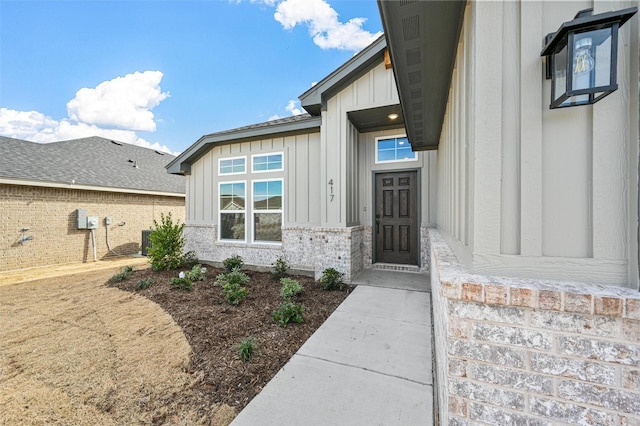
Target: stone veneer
(304, 248)
(523, 351)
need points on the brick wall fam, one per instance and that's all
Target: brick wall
(50, 215)
(512, 351)
(304, 248)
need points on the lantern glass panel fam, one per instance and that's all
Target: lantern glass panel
(559, 73)
(603, 57)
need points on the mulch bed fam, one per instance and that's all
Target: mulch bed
(214, 329)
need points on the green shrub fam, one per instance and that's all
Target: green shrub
(290, 288)
(287, 312)
(144, 284)
(181, 283)
(331, 279)
(167, 243)
(232, 263)
(233, 277)
(246, 348)
(122, 275)
(196, 273)
(234, 293)
(280, 268)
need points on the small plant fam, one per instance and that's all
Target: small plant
(331, 279)
(232, 263)
(287, 312)
(233, 277)
(143, 284)
(122, 275)
(182, 283)
(290, 288)
(167, 243)
(280, 268)
(234, 293)
(196, 273)
(246, 348)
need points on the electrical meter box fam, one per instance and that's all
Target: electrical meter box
(82, 218)
(92, 222)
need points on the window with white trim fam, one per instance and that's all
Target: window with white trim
(267, 162)
(232, 208)
(394, 149)
(232, 166)
(267, 210)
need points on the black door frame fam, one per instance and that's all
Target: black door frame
(418, 208)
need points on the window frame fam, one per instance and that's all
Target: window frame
(254, 210)
(221, 212)
(220, 160)
(396, 137)
(253, 157)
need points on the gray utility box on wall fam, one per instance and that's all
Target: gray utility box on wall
(82, 218)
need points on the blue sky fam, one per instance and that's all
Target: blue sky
(163, 73)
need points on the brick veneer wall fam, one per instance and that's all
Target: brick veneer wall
(310, 249)
(514, 351)
(50, 215)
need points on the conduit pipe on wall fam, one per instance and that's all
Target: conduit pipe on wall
(93, 242)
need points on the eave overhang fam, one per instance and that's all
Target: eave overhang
(181, 165)
(422, 38)
(80, 187)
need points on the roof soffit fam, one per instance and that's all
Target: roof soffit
(422, 38)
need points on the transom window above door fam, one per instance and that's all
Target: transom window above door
(394, 149)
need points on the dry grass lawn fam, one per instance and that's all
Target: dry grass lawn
(73, 351)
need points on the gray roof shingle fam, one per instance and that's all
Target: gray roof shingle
(92, 161)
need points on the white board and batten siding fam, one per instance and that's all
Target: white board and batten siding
(528, 190)
(301, 177)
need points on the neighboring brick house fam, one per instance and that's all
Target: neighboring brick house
(43, 185)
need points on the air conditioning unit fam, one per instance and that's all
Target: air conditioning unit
(146, 241)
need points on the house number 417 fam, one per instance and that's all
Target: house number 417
(331, 194)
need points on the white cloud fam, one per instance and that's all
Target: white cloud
(122, 103)
(293, 107)
(324, 27)
(322, 21)
(114, 109)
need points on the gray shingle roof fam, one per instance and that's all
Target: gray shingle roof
(90, 161)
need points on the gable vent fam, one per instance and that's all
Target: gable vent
(411, 27)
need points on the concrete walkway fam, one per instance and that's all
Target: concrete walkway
(370, 363)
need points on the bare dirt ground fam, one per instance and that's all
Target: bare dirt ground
(77, 349)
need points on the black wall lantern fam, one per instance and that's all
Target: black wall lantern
(582, 57)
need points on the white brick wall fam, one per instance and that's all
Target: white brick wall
(532, 352)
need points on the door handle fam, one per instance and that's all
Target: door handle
(377, 226)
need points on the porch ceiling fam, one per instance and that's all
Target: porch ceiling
(375, 119)
(422, 38)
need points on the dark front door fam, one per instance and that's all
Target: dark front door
(396, 218)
